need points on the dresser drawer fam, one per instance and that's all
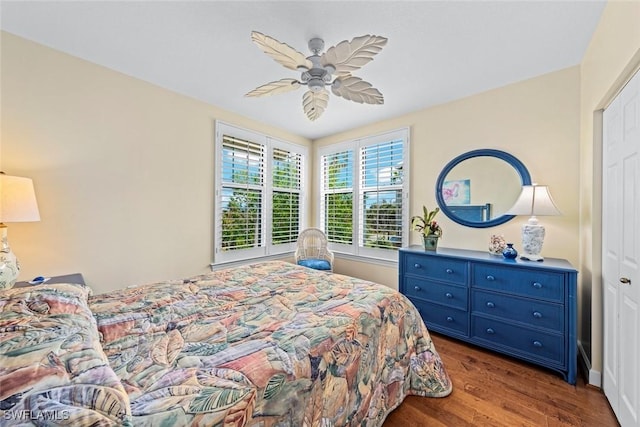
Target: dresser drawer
(442, 319)
(531, 312)
(528, 343)
(519, 281)
(438, 292)
(446, 269)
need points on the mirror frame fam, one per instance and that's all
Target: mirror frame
(525, 178)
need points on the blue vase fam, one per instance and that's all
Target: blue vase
(510, 252)
(430, 242)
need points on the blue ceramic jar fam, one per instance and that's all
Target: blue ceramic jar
(510, 252)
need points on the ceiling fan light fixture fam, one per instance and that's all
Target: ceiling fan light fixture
(316, 85)
(317, 70)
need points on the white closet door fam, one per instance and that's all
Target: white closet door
(621, 253)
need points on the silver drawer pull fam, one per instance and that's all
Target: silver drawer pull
(537, 344)
(417, 288)
(448, 295)
(490, 331)
(537, 285)
(416, 265)
(537, 315)
(491, 278)
(449, 271)
(449, 319)
(490, 304)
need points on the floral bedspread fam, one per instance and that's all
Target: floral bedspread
(53, 371)
(269, 344)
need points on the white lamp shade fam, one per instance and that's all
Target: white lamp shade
(534, 200)
(17, 200)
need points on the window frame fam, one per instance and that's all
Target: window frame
(356, 145)
(266, 247)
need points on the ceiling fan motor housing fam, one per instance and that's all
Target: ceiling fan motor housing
(318, 75)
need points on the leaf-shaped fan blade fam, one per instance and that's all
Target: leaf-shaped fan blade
(350, 56)
(274, 88)
(357, 90)
(281, 52)
(314, 103)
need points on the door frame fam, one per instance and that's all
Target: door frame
(594, 276)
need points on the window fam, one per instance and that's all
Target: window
(363, 205)
(259, 188)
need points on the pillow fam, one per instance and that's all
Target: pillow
(316, 264)
(52, 366)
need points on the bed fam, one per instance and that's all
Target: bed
(267, 344)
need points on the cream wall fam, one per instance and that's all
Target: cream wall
(612, 57)
(535, 120)
(123, 169)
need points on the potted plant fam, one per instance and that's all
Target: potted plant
(428, 227)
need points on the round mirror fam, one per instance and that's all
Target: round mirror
(477, 188)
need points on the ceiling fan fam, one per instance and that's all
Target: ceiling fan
(332, 68)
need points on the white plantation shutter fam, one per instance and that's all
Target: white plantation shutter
(259, 194)
(286, 196)
(337, 197)
(242, 193)
(381, 202)
(364, 188)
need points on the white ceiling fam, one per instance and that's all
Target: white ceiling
(438, 51)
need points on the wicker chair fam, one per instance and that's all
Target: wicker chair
(312, 251)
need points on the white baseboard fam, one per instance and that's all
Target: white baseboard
(594, 377)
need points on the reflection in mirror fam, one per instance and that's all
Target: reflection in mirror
(475, 181)
(478, 187)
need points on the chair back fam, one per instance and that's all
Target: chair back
(312, 244)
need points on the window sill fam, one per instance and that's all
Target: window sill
(228, 264)
(289, 255)
(369, 260)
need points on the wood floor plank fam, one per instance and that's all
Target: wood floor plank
(490, 389)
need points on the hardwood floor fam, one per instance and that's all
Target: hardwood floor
(490, 389)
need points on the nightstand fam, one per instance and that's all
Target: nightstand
(67, 278)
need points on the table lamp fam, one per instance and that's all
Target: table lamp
(17, 204)
(534, 200)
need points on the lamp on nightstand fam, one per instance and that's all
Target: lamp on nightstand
(535, 200)
(17, 204)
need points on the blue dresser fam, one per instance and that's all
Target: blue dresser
(524, 309)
